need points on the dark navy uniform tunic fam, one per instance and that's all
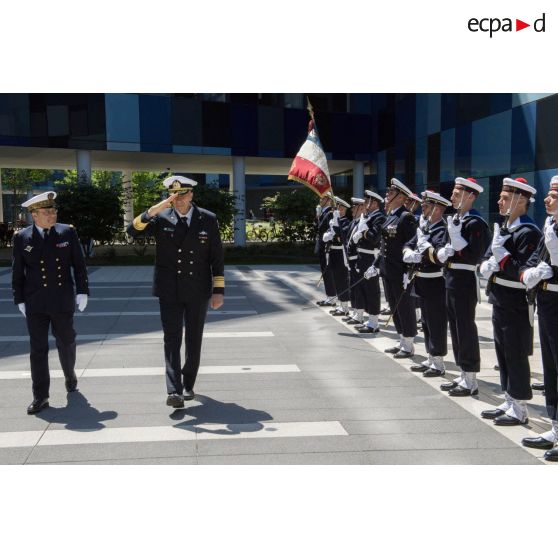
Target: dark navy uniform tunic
(355, 273)
(46, 276)
(513, 334)
(338, 260)
(327, 274)
(547, 310)
(429, 285)
(189, 267)
(461, 291)
(398, 228)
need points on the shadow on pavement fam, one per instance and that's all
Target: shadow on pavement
(236, 418)
(78, 414)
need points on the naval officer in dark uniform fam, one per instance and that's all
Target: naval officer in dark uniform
(540, 275)
(398, 228)
(189, 275)
(44, 256)
(324, 214)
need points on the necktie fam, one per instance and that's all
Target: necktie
(45, 234)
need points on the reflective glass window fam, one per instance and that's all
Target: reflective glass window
(491, 145)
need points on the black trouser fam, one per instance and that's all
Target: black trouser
(176, 315)
(65, 335)
(327, 273)
(357, 298)
(512, 341)
(369, 289)
(400, 303)
(435, 323)
(548, 334)
(462, 306)
(340, 274)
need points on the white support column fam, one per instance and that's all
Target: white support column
(358, 179)
(239, 191)
(1, 202)
(127, 197)
(83, 163)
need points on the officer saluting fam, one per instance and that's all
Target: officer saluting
(540, 275)
(512, 245)
(467, 240)
(189, 271)
(429, 284)
(44, 255)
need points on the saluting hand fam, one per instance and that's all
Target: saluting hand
(217, 301)
(165, 204)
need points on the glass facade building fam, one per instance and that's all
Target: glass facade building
(423, 139)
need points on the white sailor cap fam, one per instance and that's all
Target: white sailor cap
(177, 183)
(434, 197)
(400, 186)
(518, 185)
(342, 202)
(414, 197)
(357, 201)
(46, 199)
(554, 183)
(373, 195)
(469, 184)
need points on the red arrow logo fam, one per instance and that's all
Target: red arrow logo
(519, 25)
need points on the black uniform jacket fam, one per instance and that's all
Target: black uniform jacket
(41, 270)
(424, 286)
(323, 224)
(521, 245)
(187, 267)
(477, 234)
(398, 228)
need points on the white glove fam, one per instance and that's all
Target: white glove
(456, 240)
(445, 252)
(21, 308)
(328, 236)
(411, 256)
(318, 210)
(362, 225)
(534, 275)
(488, 267)
(81, 301)
(498, 241)
(356, 237)
(551, 242)
(422, 221)
(421, 235)
(336, 216)
(370, 272)
(406, 281)
(423, 245)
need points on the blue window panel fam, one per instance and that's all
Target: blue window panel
(463, 150)
(523, 145)
(216, 151)
(58, 120)
(421, 115)
(434, 113)
(155, 123)
(449, 110)
(447, 155)
(482, 203)
(382, 171)
(360, 103)
(491, 145)
(188, 149)
(500, 102)
(547, 138)
(421, 162)
(405, 119)
(14, 115)
(296, 130)
(522, 98)
(270, 131)
(244, 130)
(122, 118)
(122, 146)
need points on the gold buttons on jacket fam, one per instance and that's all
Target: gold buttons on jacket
(59, 284)
(179, 261)
(192, 262)
(179, 271)
(44, 284)
(179, 250)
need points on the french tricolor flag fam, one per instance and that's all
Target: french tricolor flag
(310, 164)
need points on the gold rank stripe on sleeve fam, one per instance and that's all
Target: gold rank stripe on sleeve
(218, 282)
(138, 224)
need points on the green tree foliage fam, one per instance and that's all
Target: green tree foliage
(147, 190)
(220, 202)
(295, 211)
(94, 208)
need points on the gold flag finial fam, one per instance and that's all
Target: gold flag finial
(310, 108)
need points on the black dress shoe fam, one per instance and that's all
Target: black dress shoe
(37, 405)
(338, 312)
(352, 321)
(460, 391)
(347, 319)
(419, 368)
(403, 354)
(506, 420)
(551, 455)
(539, 386)
(325, 303)
(448, 386)
(433, 373)
(368, 329)
(71, 383)
(393, 350)
(385, 311)
(537, 443)
(492, 413)
(496, 367)
(175, 400)
(189, 395)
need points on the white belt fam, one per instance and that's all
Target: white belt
(351, 258)
(465, 267)
(510, 284)
(550, 287)
(430, 275)
(373, 252)
(336, 247)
